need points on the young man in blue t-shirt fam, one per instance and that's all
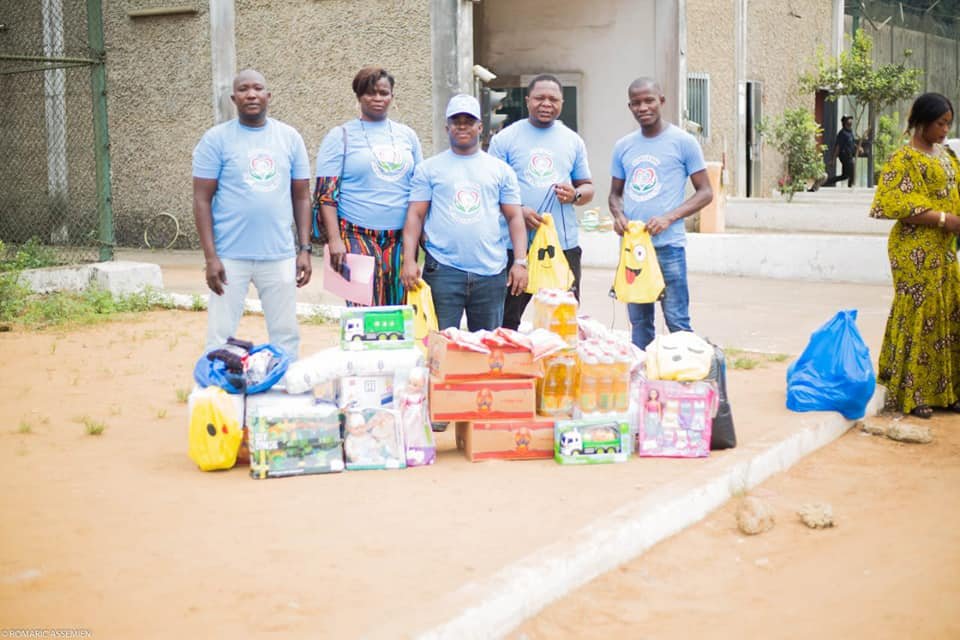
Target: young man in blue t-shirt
(457, 198)
(649, 173)
(251, 178)
(551, 164)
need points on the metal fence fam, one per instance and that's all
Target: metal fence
(55, 167)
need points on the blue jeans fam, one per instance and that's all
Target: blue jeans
(675, 302)
(455, 291)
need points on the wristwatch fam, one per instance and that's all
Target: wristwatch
(520, 261)
(305, 247)
(577, 195)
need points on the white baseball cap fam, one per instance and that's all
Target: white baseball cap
(463, 103)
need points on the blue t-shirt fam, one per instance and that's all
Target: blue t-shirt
(375, 185)
(655, 173)
(252, 206)
(463, 224)
(541, 159)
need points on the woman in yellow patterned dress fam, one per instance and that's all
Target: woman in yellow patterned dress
(920, 358)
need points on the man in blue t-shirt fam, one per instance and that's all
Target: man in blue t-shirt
(457, 198)
(551, 164)
(649, 173)
(251, 178)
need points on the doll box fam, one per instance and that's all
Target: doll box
(294, 440)
(483, 400)
(592, 440)
(365, 392)
(675, 419)
(506, 440)
(364, 328)
(373, 439)
(450, 361)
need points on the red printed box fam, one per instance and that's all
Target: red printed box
(506, 440)
(450, 361)
(482, 400)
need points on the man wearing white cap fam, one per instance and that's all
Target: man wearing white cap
(457, 198)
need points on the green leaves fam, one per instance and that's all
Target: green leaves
(794, 135)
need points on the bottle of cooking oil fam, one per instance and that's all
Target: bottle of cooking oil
(621, 381)
(587, 388)
(556, 311)
(606, 374)
(558, 387)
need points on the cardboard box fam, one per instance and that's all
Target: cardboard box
(388, 327)
(449, 361)
(592, 440)
(365, 392)
(483, 400)
(290, 440)
(506, 440)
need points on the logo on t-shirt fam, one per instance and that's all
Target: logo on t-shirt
(540, 170)
(391, 162)
(644, 183)
(466, 201)
(261, 173)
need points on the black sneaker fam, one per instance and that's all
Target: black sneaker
(439, 427)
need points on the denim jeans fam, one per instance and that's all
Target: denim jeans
(276, 283)
(455, 291)
(675, 302)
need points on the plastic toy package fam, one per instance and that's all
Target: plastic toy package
(294, 440)
(411, 399)
(373, 439)
(676, 419)
(389, 327)
(328, 365)
(592, 440)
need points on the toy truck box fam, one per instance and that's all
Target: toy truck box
(592, 440)
(377, 328)
(449, 361)
(506, 439)
(676, 419)
(294, 440)
(483, 400)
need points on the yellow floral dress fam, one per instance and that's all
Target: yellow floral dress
(920, 358)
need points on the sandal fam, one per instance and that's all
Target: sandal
(923, 411)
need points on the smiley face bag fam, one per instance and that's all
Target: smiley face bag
(548, 268)
(639, 279)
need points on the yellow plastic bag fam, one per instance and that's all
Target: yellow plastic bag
(424, 315)
(547, 266)
(638, 278)
(215, 430)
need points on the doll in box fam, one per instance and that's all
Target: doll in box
(417, 432)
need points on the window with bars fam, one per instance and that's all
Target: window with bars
(698, 102)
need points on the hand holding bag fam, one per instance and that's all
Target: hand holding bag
(639, 279)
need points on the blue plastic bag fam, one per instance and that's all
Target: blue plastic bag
(834, 372)
(214, 373)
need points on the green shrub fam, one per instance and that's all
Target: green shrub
(794, 135)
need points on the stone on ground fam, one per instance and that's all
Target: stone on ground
(816, 515)
(906, 432)
(754, 516)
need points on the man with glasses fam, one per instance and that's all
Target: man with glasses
(457, 199)
(551, 165)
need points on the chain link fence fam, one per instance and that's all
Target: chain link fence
(48, 143)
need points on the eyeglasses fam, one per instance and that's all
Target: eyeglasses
(549, 250)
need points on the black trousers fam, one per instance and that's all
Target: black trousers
(849, 166)
(513, 306)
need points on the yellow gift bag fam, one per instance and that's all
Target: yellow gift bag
(638, 278)
(215, 430)
(547, 266)
(424, 316)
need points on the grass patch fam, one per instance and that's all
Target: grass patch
(92, 427)
(778, 357)
(25, 427)
(30, 255)
(33, 311)
(319, 319)
(161, 413)
(197, 303)
(183, 394)
(744, 362)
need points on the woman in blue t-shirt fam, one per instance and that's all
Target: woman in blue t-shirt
(364, 167)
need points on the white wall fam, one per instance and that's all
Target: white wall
(609, 42)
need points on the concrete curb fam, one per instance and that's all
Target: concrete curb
(304, 310)
(520, 590)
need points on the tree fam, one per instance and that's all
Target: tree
(853, 74)
(794, 135)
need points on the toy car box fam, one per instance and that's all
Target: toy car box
(506, 440)
(377, 328)
(592, 440)
(449, 361)
(483, 400)
(675, 419)
(294, 440)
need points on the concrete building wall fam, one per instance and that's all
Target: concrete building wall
(782, 41)
(161, 96)
(608, 42)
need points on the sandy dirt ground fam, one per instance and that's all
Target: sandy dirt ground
(120, 534)
(890, 569)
